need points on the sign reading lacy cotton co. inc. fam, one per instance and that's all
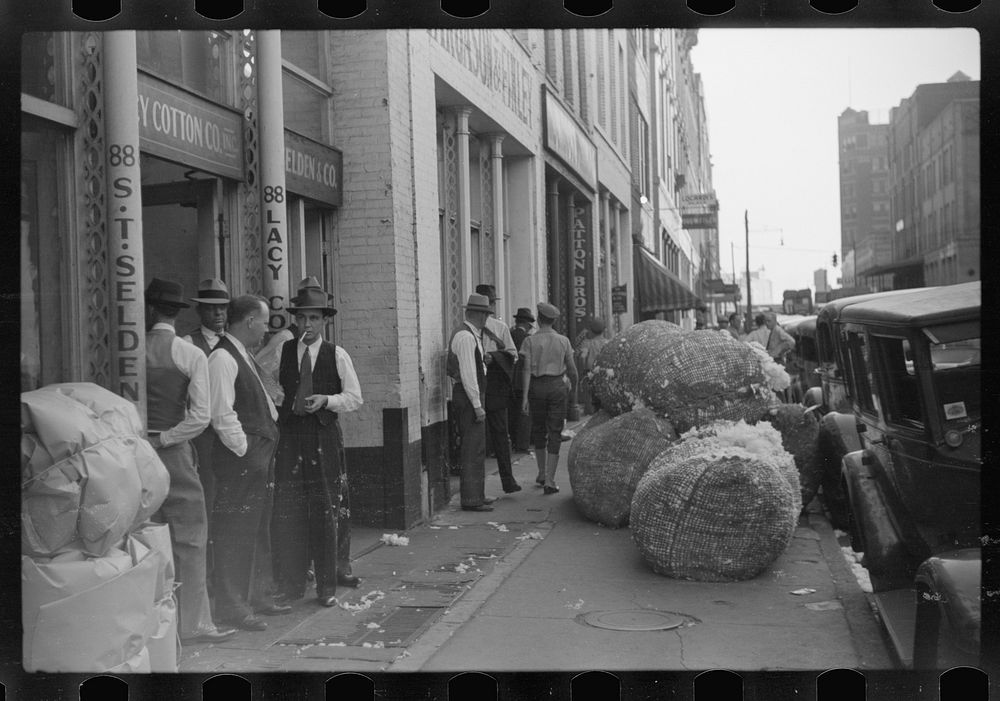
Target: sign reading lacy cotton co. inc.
(501, 67)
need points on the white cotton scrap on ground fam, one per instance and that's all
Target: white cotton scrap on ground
(860, 573)
(803, 591)
(372, 626)
(532, 535)
(825, 606)
(365, 603)
(576, 606)
(393, 539)
(452, 528)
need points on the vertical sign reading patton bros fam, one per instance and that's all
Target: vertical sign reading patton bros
(582, 278)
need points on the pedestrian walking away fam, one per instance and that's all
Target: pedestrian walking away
(311, 521)
(548, 365)
(246, 432)
(212, 307)
(500, 356)
(518, 424)
(178, 410)
(467, 369)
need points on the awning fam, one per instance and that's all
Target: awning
(659, 289)
(914, 264)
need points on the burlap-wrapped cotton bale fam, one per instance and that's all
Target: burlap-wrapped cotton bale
(621, 367)
(799, 431)
(607, 461)
(692, 378)
(719, 515)
(762, 440)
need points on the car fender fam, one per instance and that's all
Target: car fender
(951, 580)
(872, 523)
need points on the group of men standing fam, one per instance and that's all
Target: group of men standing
(258, 484)
(499, 377)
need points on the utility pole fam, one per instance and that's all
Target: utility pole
(746, 228)
(732, 262)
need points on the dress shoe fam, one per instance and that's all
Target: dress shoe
(540, 481)
(250, 622)
(216, 635)
(511, 488)
(328, 601)
(275, 609)
(550, 490)
(348, 580)
(480, 507)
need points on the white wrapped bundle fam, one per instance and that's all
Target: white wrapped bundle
(607, 461)
(691, 378)
(163, 643)
(717, 505)
(85, 464)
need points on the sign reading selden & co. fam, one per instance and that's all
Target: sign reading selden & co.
(568, 141)
(185, 128)
(313, 169)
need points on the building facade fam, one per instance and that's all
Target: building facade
(865, 237)
(400, 167)
(934, 184)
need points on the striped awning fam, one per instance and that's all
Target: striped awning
(659, 289)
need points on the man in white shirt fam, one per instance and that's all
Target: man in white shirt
(467, 368)
(246, 432)
(311, 494)
(177, 407)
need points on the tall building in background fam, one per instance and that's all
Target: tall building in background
(934, 184)
(865, 238)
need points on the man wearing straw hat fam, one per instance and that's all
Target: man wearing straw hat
(311, 501)
(468, 370)
(178, 409)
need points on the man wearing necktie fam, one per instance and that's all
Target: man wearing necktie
(246, 432)
(311, 500)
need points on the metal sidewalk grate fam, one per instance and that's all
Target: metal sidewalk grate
(401, 626)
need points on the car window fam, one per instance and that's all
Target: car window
(899, 388)
(957, 374)
(861, 377)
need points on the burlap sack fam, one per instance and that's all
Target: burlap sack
(607, 461)
(799, 431)
(717, 515)
(692, 378)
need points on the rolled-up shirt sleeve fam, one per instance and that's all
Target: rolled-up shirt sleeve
(193, 363)
(222, 371)
(349, 398)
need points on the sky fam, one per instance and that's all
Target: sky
(773, 97)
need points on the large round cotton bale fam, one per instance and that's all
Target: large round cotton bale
(718, 515)
(599, 417)
(799, 431)
(607, 461)
(621, 367)
(691, 378)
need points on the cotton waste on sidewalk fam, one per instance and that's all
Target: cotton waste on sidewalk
(97, 578)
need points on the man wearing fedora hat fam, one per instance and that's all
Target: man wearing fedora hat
(518, 424)
(212, 307)
(311, 501)
(466, 366)
(548, 359)
(500, 356)
(178, 409)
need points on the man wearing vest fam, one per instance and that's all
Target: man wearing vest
(212, 307)
(500, 356)
(311, 503)
(177, 407)
(246, 432)
(467, 369)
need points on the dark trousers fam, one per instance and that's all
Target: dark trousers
(202, 445)
(499, 438)
(239, 522)
(311, 511)
(547, 402)
(472, 455)
(518, 424)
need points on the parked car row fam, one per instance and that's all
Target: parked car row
(895, 379)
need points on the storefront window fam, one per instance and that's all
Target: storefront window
(199, 61)
(43, 67)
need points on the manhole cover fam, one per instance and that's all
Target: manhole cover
(635, 619)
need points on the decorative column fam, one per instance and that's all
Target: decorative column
(500, 272)
(554, 249)
(606, 240)
(464, 200)
(128, 308)
(274, 217)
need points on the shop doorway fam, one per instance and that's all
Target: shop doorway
(184, 229)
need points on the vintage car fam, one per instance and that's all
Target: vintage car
(802, 362)
(912, 367)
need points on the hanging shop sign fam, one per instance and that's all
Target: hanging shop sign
(700, 220)
(703, 200)
(700, 211)
(565, 138)
(619, 299)
(582, 274)
(500, 66)
(313, 170)
(185, 128)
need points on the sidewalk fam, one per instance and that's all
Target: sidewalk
(508, 591)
